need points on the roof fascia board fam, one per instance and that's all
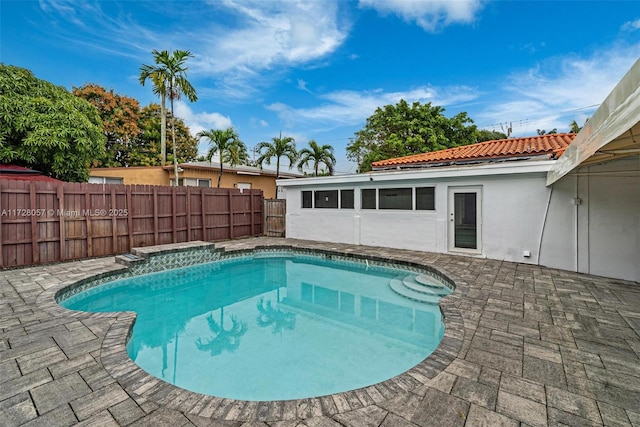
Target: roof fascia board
(617, 114)
(537, 166)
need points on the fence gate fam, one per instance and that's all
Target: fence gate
(274, 217)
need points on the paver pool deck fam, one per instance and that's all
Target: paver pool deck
(524, 345)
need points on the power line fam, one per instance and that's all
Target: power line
(529, 121)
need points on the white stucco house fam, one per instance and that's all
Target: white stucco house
(569, 201)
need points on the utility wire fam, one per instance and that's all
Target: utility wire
(524, 122)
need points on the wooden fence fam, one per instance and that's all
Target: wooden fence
(275, 211)
(47, 222)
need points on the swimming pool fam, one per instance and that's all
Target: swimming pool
(276, 325)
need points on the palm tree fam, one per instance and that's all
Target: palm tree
(236, 154)
(160, 89)
(279, 147)
(574, 127)
(317, 155)
(278, 320)
(225, 142)
(224, 339)
(171, 73)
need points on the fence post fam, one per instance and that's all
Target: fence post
(35, 249)
(60, 219)
(188, 214)
(204, 214)
(130, 218)
(155, 215)
(230, 214)
(1, 233)
(174, 219)
(87, 219)
(114, 221)
(253, 215)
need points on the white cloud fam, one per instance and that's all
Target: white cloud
(200, 121)
(557, 91)
(302, 85)
(431, 15)
(631, 25)
(347, 107)
(252, 37)
(258, 123)
(269, 36)
(88, 25)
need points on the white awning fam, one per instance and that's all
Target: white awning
(612, 132)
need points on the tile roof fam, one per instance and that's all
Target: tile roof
(21, 173)
(551, 145)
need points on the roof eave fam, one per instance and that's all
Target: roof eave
(473, 161)
(456, 171)
(612, 132)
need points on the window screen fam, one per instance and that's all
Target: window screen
(104, 180)
(346, 199)
(425, 198)
(307, 199)
(396, 198)
(326, 199)
(368, 198)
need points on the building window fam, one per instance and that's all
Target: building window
(425, 198)
(307, 199)
(104, 180)
(368, 198)
(396, 198)
(346, 199)
(192, 182)
(326, 199)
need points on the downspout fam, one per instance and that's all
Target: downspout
(577, 224)
(544, 223)
(588, 228)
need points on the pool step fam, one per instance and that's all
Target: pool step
(398, 286)
(422, 283)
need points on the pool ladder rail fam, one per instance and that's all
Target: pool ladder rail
(419, 287)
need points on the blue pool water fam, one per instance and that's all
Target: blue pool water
(272, 328)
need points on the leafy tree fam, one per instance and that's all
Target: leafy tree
(120, 115)
(170, 71)
(401, 130)
(318, 155)
(489, 135)
(544, 132)
(147, 150)
(278, 147)
(574, 127)
(45, 127)
(227, 143)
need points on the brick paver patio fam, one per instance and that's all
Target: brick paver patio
(525, 345)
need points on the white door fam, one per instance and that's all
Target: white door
(465, 219)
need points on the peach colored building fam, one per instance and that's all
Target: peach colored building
(203, 174)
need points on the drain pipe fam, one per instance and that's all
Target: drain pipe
(544, 223)
(577, 203)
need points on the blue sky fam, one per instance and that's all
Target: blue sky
(318, 69)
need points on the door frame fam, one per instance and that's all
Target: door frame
(452, 191)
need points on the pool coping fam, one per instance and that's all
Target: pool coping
(137, 382)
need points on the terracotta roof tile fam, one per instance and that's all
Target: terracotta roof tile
(553, 144)
(21, 173)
